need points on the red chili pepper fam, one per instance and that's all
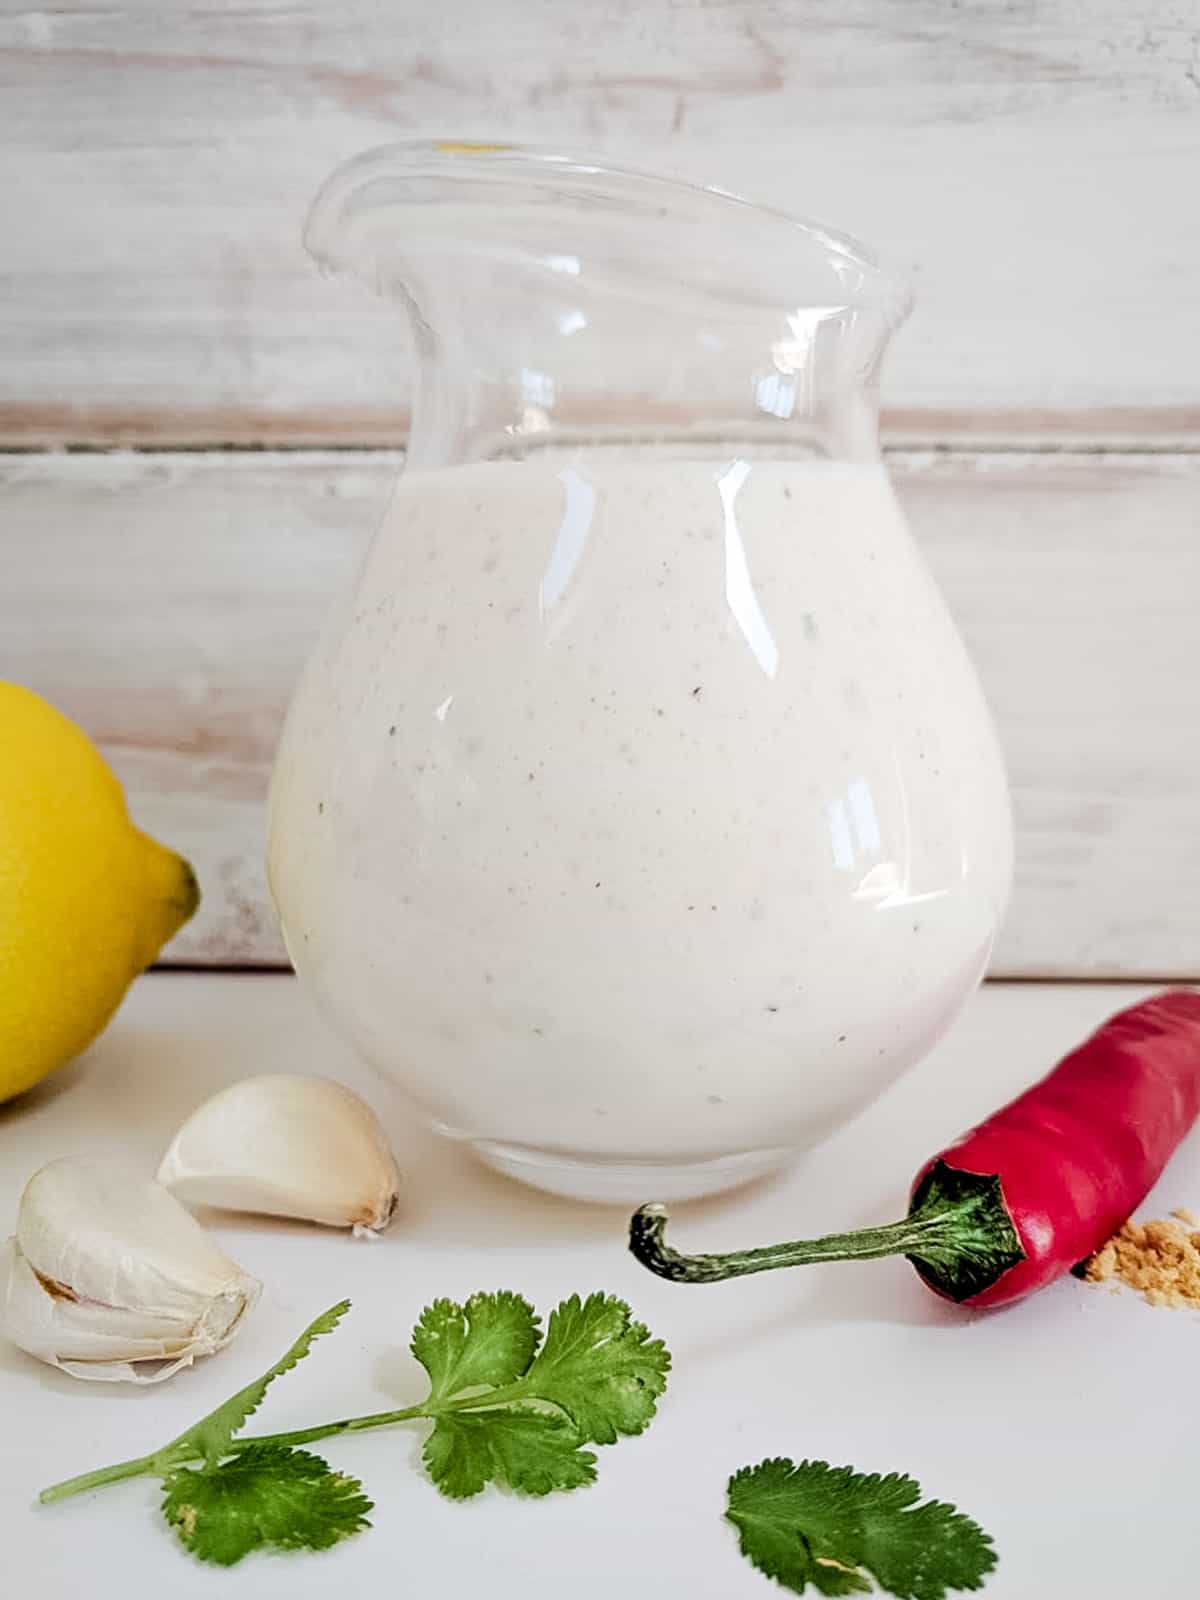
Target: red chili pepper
(1030, 1193)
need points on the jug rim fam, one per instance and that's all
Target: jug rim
(349, 191)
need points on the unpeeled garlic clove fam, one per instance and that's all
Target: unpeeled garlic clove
(108, 1277)
(288, 1147)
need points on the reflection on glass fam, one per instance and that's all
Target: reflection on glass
(775, 394)
(739, 589)
(537, 388)
(887, 891)
(880, 883)
(854, 832)
(862, 815)
(578, 509)
(840, 839)
(795, 371)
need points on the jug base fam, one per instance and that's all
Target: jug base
(626, 1181)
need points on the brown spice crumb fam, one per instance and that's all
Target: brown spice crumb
(1184, 1215)
(1103, 1264)
(1160, 1259)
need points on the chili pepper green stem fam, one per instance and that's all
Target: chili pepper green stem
(865, 1244)
(958, 1234)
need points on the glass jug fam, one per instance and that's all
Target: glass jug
(639, 813)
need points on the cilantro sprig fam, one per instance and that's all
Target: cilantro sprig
(508, 1407)
(831, 1526)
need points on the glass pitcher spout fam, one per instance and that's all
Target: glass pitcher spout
(553, 299)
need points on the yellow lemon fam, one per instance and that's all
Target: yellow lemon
(86, 899)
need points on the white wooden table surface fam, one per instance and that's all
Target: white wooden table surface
(1064, 1425)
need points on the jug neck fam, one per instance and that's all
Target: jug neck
(555, 302)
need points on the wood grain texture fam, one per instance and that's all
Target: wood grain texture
(167, 601)
(1033, 165)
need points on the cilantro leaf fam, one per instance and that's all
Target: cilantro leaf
(509, 1413)
(489, 1341)
(528, 1451)
(832, 1526)
(265, 1496)
(600, 1367)
(210, 1437)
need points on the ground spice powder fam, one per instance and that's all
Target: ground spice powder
(1160, 1259)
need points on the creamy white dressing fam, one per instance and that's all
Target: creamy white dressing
(641, 812)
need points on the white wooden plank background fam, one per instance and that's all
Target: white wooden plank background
(166, 601)
(1033, 162)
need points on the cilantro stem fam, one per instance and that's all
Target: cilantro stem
(137, 1468)
(181, 1454)
(329, 1430)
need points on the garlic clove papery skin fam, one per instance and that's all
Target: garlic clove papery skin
(109, 1278)
(101, 1343)
(287, 1146)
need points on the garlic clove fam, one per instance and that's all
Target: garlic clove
(109, 1278)
(98, 1342)
(287, 1147)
